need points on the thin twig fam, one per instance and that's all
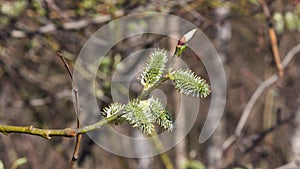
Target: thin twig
(273, 38)
(259, 137)
(65, 64)
(76, 148)
(71, 25)
(251, 103)
(60, 12)
(38, 101)
(253, 140)
(186, 7)
(77, 105)
(251, 76)
(246, 112)
(164, 157)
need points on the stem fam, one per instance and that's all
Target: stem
(99, 124)
(145, 93)
(164, 157)
(45, 133)
(48, 133)
(77, 104)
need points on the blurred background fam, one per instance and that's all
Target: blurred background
(35, 88)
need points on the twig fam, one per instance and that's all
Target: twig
(76, 148)
(253, 140)
(263, 134)
(38, 101)
(251, 103)
(71, 25)
(273, 38)
(200, 19)
(255, 96)
(77, 105)
(251, 76)
(48, 133)
(65, 64)
(45, 133)
(54, 7)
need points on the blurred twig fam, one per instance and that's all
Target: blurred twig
(255, 96)
(54, 7)
(259, 137)
(71, 25)
(164, 157)
(38, 101)
(186, 7)
(251, 76)
(273, 37)
(253, 140)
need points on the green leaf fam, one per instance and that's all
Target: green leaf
(138, 114)
(161, 115)
(155, 68)
(186, 82)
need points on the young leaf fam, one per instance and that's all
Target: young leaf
(189, 35)
(155, 68)
(186, 82)
(182, 43)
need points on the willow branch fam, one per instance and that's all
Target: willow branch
(45, 133)
(49, 133)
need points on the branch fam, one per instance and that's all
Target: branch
(259, 137)
(164, 157)
(48, 133)
(77, 104)
(245, 114)
(55, 8)
(252, 101)
(255, 139)
(273, 38)
(70, 25)
(45, 133)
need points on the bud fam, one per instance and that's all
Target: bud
(181, 44)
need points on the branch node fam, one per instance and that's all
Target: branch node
(30, 128)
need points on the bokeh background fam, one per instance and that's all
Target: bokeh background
(35, 88)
